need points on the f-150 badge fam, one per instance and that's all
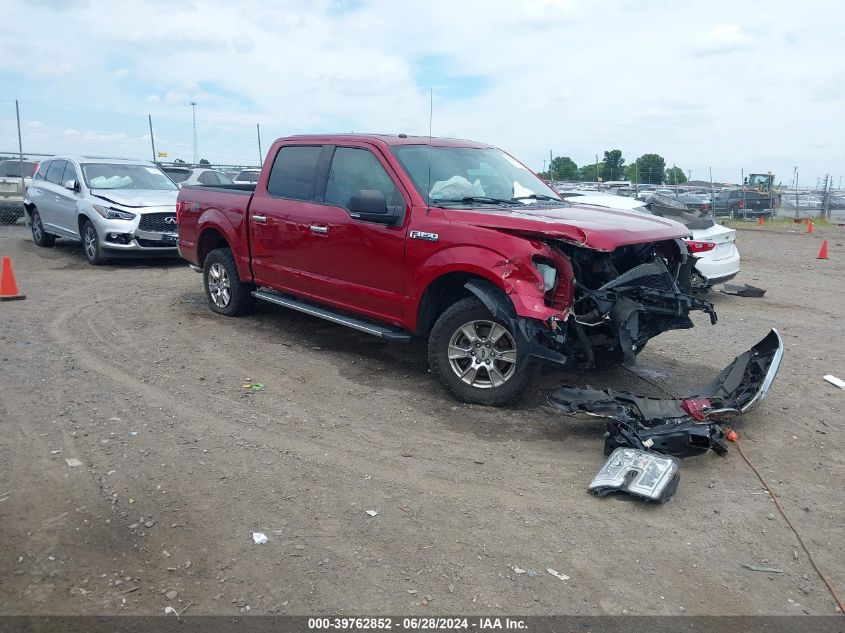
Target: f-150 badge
(422, 235)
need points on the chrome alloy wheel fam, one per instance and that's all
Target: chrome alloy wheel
(218, 285)
(37, 228)
(482, 354)
(89, 242)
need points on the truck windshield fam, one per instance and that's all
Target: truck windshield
(123, 176)
(470, 175)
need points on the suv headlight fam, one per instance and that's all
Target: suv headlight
(113, 214)
(549, 274)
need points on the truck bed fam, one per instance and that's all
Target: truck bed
(227, 206)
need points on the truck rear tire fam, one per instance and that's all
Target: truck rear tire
(475, 356)
(226, 293)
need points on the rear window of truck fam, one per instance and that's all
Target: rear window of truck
(292, 174)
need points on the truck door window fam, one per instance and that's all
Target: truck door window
(355, 169)
(293, 171)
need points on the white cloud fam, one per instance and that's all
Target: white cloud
(725, 38)
(569, 75)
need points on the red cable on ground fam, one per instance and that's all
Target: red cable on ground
(735, 439)
(772, 494)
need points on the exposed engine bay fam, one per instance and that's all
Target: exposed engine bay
(616, 301)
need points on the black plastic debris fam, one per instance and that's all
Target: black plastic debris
(742, 291)
(682, 427)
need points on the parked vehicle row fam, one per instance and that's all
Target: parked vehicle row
(401, 237)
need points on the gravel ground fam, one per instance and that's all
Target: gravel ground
(125, 369)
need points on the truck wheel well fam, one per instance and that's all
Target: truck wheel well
(440, 294)
(209, 240)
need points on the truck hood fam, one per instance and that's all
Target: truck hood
(137, 198)
(598, 228)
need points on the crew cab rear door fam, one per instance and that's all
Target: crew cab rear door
(280, 217)
(358, 264)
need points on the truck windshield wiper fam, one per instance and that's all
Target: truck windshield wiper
(536, 196)
(481, 199)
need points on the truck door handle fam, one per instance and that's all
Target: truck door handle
(259, 219)
(319, 229)
(56, 198)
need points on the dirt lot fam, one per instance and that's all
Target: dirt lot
(125, 368)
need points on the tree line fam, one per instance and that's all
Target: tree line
(647, 169)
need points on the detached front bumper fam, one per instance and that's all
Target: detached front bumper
(681, 427)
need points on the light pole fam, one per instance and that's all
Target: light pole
(194, 118)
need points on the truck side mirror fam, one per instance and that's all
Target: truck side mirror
(370, 205)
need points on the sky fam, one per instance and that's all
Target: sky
(753, 86)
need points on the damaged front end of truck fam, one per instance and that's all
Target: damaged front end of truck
(591, 307)
(622, 299)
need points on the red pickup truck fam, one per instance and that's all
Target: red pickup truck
(452, 240)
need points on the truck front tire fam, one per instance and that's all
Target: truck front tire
(226, 293)
(476, 357)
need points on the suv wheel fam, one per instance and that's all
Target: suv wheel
(226, 293)
(39, 235)
(91, 245)
(475, 356)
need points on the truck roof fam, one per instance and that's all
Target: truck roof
(387, 139)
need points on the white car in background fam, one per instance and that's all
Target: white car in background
(713, 245)
(247, 176)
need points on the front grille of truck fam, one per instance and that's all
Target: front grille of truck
(156, 222)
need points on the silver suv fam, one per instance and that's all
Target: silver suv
(114, 206)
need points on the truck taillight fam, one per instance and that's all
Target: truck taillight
(179, 205)
(700, 247)
(742, 204)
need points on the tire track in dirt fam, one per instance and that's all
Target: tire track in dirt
(350, 451)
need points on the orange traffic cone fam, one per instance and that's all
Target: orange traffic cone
(809, 226)
(823, 251)
(760, 221)
(8, 287)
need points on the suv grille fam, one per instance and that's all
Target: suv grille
(156, 222)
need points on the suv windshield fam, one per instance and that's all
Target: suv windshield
(122, 176)
(248, 176)
(470, 175)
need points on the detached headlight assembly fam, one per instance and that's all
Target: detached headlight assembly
(549, 274)
(113, 214)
